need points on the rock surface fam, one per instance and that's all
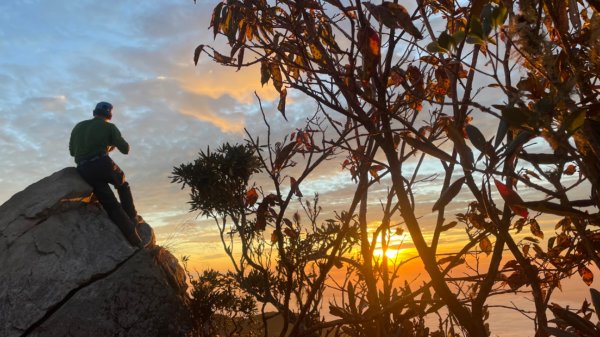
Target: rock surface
(68, 271)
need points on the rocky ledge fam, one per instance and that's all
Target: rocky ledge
(68, 271)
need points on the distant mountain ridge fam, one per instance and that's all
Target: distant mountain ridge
(67, 270)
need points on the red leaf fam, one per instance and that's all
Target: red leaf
(251, 197)
(570, 170)
(586, 275)
(513, 200)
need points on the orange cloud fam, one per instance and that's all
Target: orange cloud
(218, 80)
(224, 124)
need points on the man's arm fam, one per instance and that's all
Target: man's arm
(118, 141)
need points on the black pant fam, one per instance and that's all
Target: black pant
(101, 172)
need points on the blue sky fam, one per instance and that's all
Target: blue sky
(59, 58)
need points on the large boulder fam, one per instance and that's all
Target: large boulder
(67, 270)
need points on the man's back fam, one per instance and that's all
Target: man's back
(95, 137)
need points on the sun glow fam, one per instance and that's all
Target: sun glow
(389, 253)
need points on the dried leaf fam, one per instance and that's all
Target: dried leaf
(283, 155)
(222, 58)
(374, 169)
(265, 72)
(281, 104)
(526, 249)
(240, 58)
(276, 76)
(197, 53)
(512, 264)
(534, 226)
(315, 53)
(403, 19)
(291, 233)
(295, 188)
(215, 21)
(449, 259)
(261, 218)
(486, 245)
(374, 42)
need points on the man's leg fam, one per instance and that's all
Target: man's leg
(122, 186)
(116, 213)
(98, 175)
(127, 200)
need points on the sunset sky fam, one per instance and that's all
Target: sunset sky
(59, 58)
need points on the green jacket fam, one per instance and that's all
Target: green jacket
(94, 137)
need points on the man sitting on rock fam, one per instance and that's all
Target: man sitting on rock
(91, 141)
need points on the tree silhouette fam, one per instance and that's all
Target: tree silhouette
(397, 90)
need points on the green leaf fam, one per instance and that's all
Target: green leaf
(499, 15)
(448, 194)
(445, 41)
(466, 155)
(351, 297)
(576, 121)
(448, 226)
(582, 325)
(516, 116)
(429, 148)
(434, 47)
(501, 133)
(476, 34)
(596, 300)
(486, 18)
(558, 333)
(516, 144)
(458, 36)
(476, 137)
(552, 208)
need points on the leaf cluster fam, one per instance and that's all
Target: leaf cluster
(218, 179)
